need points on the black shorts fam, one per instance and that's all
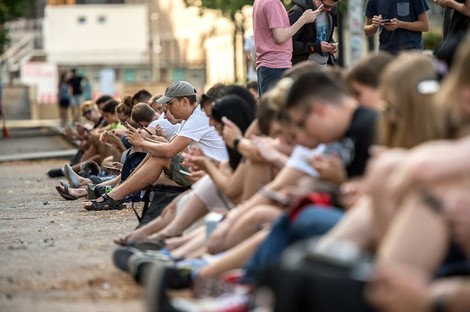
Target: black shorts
(64, 103)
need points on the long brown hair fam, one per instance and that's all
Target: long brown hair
(411, 116)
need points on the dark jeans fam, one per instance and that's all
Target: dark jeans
(267, 77)
(312, 221)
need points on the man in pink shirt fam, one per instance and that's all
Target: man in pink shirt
(272, 33)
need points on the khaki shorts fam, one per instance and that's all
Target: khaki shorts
(174, 174)
(206, 190)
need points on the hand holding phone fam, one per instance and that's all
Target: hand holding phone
(129, 127)
(145, 129)
(112, 169)
(184, 172)
(386, 20)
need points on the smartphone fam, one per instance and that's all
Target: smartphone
(184, 172)
(144, 128)
(112, 169)
(387, 20)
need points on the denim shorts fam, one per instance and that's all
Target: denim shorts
(76, 100)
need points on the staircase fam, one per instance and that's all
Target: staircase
(26, 47)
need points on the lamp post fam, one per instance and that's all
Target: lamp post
(356, 22)
(156, 46)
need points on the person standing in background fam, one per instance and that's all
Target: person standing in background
(87, 89)
(458, 17)
(76, 98)
(401, 23)
(250, 58)
(455, 25)
(63, 99)
(314, 41)
(272, 34)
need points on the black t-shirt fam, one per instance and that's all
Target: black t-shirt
(76, 84)
(459, 22)
(354, 146)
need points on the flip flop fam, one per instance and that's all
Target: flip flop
(121, 241)
(65, 193)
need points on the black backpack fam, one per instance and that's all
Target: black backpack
(156, 198)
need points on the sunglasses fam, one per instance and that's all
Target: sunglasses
(87, 112)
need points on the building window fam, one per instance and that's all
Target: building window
(81, 19)
(129, 75)
(101, 19)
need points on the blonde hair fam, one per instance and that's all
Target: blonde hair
(449, 95)
(417, 117)
(88, 105)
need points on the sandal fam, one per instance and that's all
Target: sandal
(65, 193)
(107, 204)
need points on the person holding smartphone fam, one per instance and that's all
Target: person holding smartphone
(400, 23)
(314, 41)
(195, 131)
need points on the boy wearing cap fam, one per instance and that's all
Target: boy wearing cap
(195, 131)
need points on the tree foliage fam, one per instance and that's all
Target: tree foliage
(9, 11)
(227, 8)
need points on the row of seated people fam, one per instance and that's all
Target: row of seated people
(354, 156)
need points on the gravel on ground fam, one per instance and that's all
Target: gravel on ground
(55, 255)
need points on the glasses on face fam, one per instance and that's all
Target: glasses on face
(327, 6)
(169, 103)
(87, 112)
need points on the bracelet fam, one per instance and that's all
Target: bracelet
(236, 141)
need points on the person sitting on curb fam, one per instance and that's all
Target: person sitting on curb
(180, 100)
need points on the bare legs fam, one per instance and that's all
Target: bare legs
(234, 258)
(146, 175)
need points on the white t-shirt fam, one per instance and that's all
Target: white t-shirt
(300, 156)
(204, 136)
(169, 128)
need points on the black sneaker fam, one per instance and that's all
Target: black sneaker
(159, 280)
(54, 173)
(140, 264)
(121, 256)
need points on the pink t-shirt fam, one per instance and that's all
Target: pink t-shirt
(268, 15)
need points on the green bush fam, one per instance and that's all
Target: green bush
(432, 40)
